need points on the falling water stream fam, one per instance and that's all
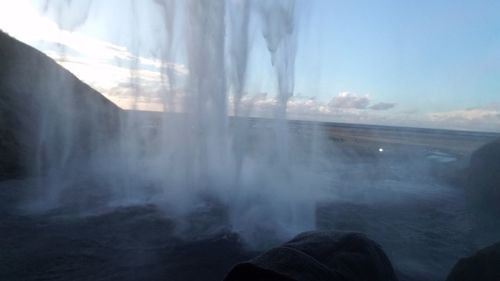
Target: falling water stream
(202, 154)
(266, 182)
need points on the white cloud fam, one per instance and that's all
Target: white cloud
(106, 67)
(109, 68)
(480, 118)
(354, 108)
(121, 84)
(466, 115)
(349, 100)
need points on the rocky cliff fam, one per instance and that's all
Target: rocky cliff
(483, 265)
(483, 185)
(48, 117)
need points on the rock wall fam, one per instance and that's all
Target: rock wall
(483, 184)
(48, 117)
(483, 265)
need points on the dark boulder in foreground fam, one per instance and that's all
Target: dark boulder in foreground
(47, 115)
(484, 266)
(483, 186)
(319, 256)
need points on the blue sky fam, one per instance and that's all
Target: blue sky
(419, 63)
(433, 55)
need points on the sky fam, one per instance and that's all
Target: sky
(407, 63)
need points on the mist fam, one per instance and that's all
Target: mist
(196, 158)
(206, 164)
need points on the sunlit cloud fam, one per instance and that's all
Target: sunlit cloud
(138, 82)
(109, 68)
(121, 84)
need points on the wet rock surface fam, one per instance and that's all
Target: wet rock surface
(122, 243)
(127, 244)
(483, 185)
(483, 265)
(423, 227)
(320, 256)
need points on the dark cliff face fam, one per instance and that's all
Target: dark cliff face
(483, 185)
(48, 117)
(483, 266)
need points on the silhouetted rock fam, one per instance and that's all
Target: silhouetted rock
(47, 115)
(319, 256)
(484, 266)
(483, 185)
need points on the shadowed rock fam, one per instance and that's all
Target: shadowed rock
(483, 190)
(484, 266)
(125, 244)
(319, 256)
(47, 115)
